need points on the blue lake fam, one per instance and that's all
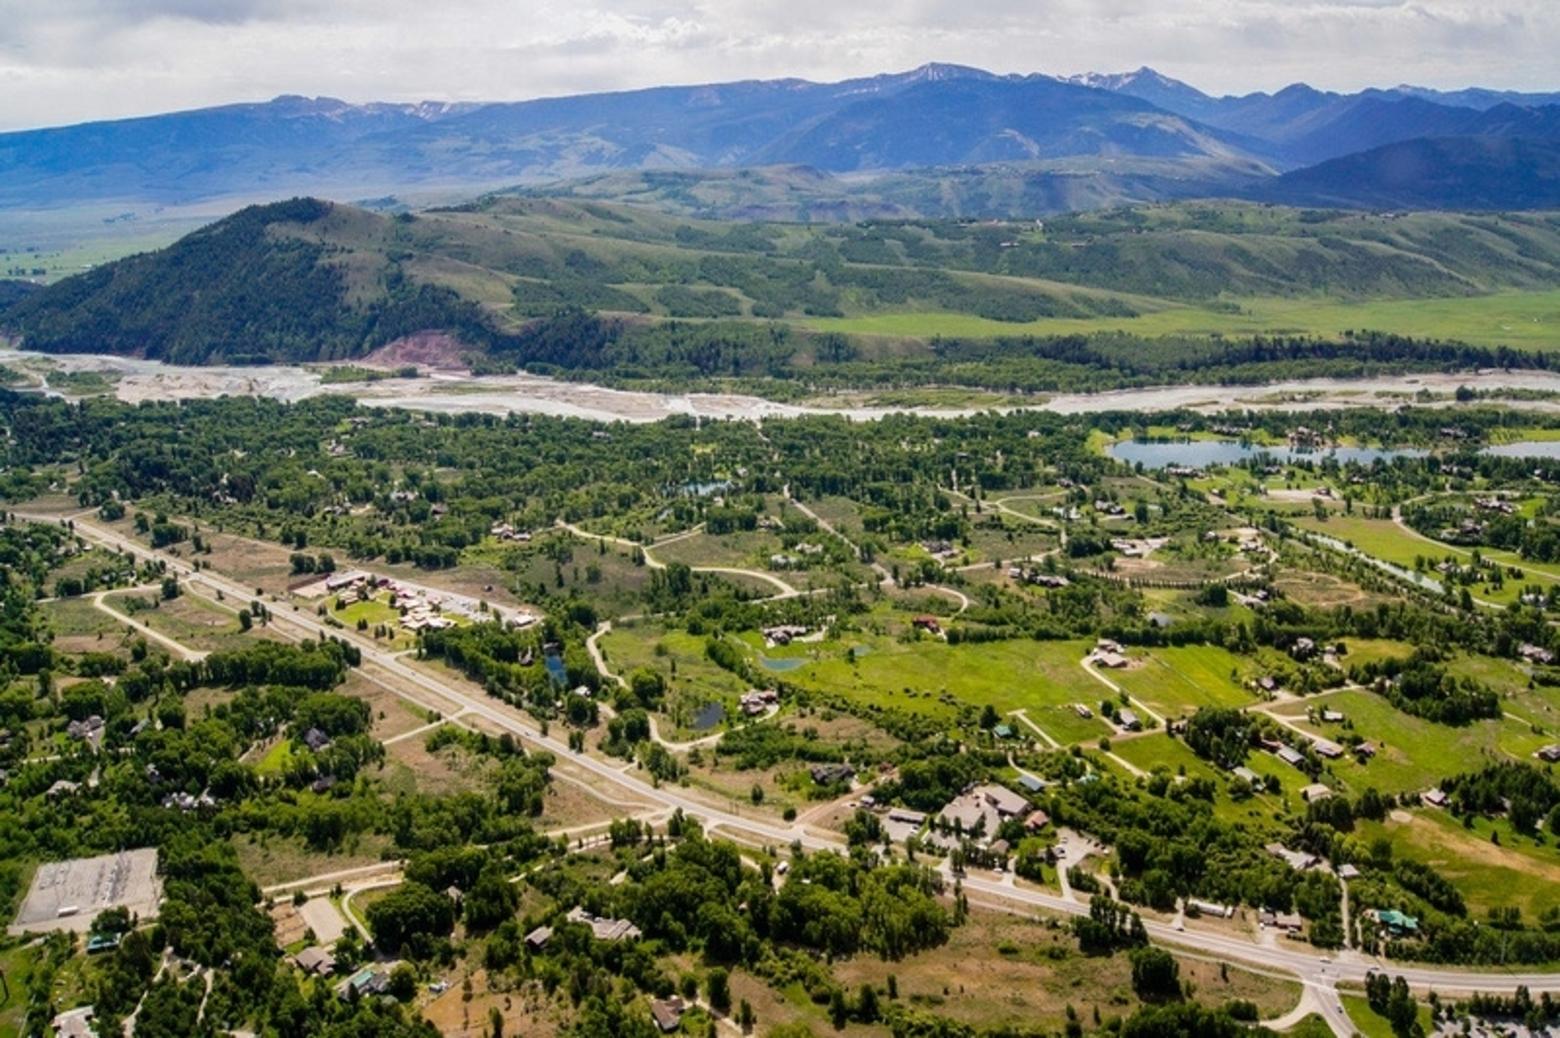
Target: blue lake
(1549, 449)
(556, 669)
(1203, 454)
(709, 715)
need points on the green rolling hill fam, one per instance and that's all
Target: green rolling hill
(309, 280)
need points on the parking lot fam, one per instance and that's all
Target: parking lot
(68, 895)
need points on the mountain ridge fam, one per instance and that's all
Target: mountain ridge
(935, 116)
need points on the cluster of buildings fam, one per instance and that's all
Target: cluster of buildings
(1535, 654)
(1468, 531)
(1039, 578)
(1295, 759)
(507, 532)
(756, 701)
(980, 811)
(942, 551)
(421, 609)
(1288, 923)
(182, 801)
(371, 980)
(1109, 654)
(1138, 549)
(602, 928)
(1300, 861)
(88, 730)
(783, 634)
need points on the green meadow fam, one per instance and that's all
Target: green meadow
(1413, 754)
(1530, 320)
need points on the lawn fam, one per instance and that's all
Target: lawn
(1374, 650)
(372, 614)
(1413, 754)
(16, 965)
(373, 611)
(1178, 680)
(1380, 538)
(692, 681)
(930, 676)
(1526, 319)
(1371, 1025)
(1488, 875)
(1159, 752)
(276, 759)
(1385, 540)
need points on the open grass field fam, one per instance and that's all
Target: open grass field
(268, 859)
(676, 655)
(1530, 320)
(997, 971)
(16, 963)
(1374, 650)
(929, 676)
(1179, 679)
(79, 626)
(1413, 754)
(1323, 590)
(1385, 540)
(193, 622)
(1379, 538)
(748, 548)
(410, 767)
(1369, 1024)
(1157, 752)
(1488, 875)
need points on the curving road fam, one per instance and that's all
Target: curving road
(783, 589)
(1314, 970)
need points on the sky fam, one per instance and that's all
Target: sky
(67, 61)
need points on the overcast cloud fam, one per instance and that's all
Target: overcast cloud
(72, 60)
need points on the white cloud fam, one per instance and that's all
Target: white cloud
(66, 60)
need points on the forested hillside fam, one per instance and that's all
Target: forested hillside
(307, 280)
(248, 287)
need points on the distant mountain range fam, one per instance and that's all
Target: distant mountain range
(1282, 146)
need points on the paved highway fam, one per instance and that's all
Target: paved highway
(1320, 973)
